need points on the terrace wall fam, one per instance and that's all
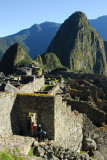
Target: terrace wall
(94, 114)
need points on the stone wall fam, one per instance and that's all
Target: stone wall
(39, 83)
(43, 106)
(27, 88)
(8, 114)
(15, 108)
(55, 116)
(68, 127)
(63, 126)
(83, 95)
(94, 114)
(92, 88)
(100, 93)
(54, 90)
(33, 86)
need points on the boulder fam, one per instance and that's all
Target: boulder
(50, 156)
(102, 149)
(89, 144)
(39, 151)
(36, 143)
(98, 155)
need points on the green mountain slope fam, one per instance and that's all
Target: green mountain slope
(35, 40)
(79, 46)
(49, 61)
(14, 57)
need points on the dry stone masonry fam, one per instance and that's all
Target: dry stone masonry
(66, 128)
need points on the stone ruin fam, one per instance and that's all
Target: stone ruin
(54, 113)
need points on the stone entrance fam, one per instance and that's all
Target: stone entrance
(43, 108)
(31, 117)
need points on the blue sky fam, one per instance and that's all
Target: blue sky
(16, 15)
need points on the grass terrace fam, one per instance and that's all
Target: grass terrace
(47, 87)
(5, 155)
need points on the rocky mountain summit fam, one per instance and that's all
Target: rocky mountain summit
(14, 57)
(78, 46)
(42, 34)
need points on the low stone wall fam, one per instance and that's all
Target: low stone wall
(38, 83)
(34, 86)
(92, 88)
(54, 90)
(27, 88)
(95, 115)
(100, 93)
(102, 104)
(83, 95)
(8, 114)
(68, 127)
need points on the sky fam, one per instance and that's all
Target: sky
(16, 15)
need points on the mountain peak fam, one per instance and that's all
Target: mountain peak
(78, 45)
(14, 57)
(76, 16)
(35, 27)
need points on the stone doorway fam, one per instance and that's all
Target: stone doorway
(32, 117)
(25, 124)
(43, 107)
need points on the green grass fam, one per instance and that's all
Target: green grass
(30, 114)
(48, 87)
(31, 152)
(82, 152)
(56, 81)
(5, 155)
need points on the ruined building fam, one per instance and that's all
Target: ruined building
(55, 115)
